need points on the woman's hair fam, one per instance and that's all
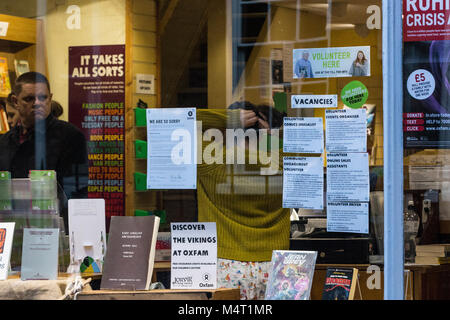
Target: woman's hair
(363, 60)
(263, 111)
(57, 109)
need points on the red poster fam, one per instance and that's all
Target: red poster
(97, 107)
(426, 20)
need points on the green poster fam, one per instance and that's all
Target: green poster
(354, 94)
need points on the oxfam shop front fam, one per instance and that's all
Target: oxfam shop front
(234, 149)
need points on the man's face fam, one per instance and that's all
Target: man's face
(33, 103)
(305, 55)
(12, 115)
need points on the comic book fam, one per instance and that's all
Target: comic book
(291, 275)
(5, 85)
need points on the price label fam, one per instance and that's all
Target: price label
(421, 84)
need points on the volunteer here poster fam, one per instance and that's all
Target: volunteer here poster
(426, 56)
(331, 62)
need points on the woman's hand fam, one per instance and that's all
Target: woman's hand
(248, 118)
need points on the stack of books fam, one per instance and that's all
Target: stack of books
(433, 254)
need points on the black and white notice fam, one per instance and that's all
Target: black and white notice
(303, 135)
(348, 177)
(346, 130)
(350, 217)
(303, 182)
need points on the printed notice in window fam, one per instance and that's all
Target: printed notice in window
(348, 177)
(303, 182)
(172, 148)
(350, 217)
(303, 135)
(346, 130)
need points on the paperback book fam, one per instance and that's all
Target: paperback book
(291, 275)
(39, 254)
(5, 191)
(5, 84)
(340, 284)
(131, 250)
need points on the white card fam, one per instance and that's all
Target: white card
(6, 240)
(194, 256)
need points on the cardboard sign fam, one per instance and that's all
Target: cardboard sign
(145, 83)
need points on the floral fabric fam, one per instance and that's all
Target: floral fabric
(250, 277)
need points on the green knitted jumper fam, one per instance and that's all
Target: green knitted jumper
(245, 204)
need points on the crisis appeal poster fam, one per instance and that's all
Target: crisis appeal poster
(97, 107)
(426, 57)
(426, 20)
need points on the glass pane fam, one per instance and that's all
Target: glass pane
(425, 126)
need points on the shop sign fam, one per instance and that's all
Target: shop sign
(314, 101)
(145, 83)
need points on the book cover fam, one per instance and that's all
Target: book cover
(291, 275)
(5, 191)
(433, 249)
(130, 256)
(432, 260)
(5, 84)
(432, 254)
(43, 190)
(340, 284)
(87, 235)
(6, 240)
(39, 254)
(4, 126)
(21, 66)
(163, 247)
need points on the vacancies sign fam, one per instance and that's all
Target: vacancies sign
(314, 101)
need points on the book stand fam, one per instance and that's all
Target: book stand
(75, 262)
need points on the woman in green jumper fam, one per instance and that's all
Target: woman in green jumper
(240, 188)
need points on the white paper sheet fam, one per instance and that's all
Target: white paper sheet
(172, 148)
(194, 256)
(303, 135)
(303, 182)
(346, 130)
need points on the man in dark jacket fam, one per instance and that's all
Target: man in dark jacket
(41, 142)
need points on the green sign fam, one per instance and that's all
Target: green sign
(354, 94)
